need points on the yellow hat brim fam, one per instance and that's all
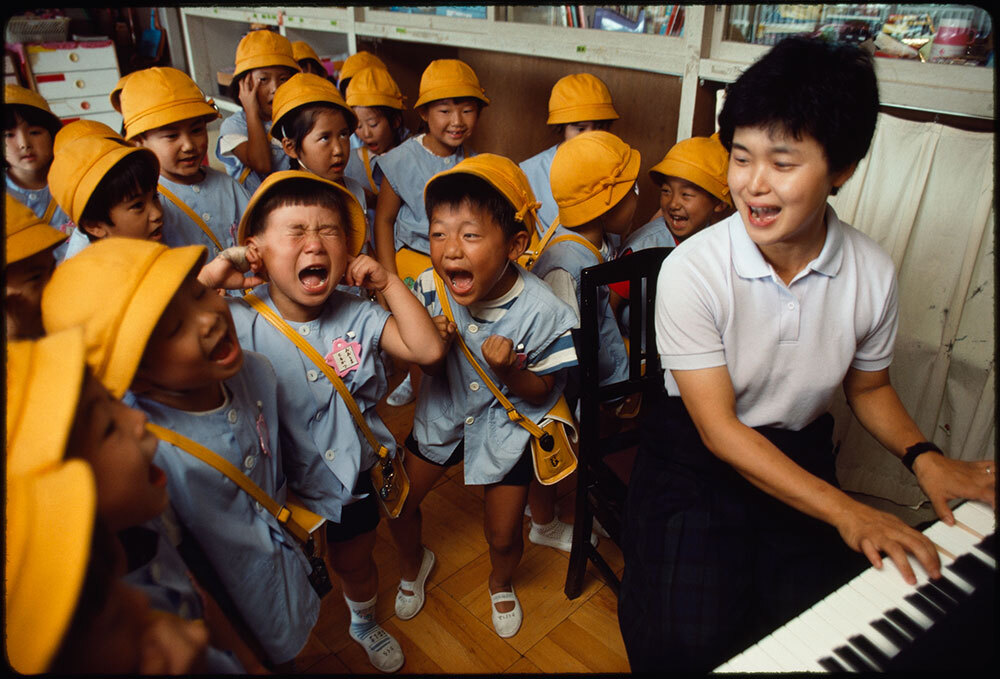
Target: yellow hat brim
(31, 241)
(594, 206)
(87, 170)
(452, 91)
(581, 113)
(173, 112)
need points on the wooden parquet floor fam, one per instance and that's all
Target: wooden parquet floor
(453, 633)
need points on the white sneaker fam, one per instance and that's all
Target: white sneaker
(403, 393)
(408, 605)
(382, 648)
(506, 624)
(557, 534)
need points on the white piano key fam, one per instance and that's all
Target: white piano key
(891, 582)
(977, 514)
(785, 660)
(805, 661)
(815, 635)
(958, 542)
(859, 610)
(755, 660)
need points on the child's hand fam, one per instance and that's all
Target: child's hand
(498, 351)
(171, 645)
(445, 328)
(248, 95)
(363, 271)
(227, 269)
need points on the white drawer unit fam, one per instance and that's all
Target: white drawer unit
(76, 78)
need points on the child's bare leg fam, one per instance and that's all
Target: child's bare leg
(352, 561)
(504, 528)
(406, 528)
(542, 500)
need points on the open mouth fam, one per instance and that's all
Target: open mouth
(762, 216)
(156, 235)
(225, 351)
(460, 281)
(313, 278)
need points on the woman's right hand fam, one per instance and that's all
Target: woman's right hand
(872, 532)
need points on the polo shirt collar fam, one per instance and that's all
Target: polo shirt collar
(750, 263)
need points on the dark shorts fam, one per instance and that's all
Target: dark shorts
(520, 474)
(358, 517)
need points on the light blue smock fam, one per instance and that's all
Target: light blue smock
(218, 199)
(236, 124)
(536, 169)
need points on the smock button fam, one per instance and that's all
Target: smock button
(232, 416)
(350, 334)
(330, 455)
(319, 415)
(258, 506)
(791, 305)
(304, 329)
(31, 196)
(250, 462)
(470, 419)
(196, 189)
(312, 375)
(474, 386)
(473, 327)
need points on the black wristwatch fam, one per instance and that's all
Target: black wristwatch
(916, 450)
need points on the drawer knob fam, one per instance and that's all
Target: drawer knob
(74, 57)
(85, 105)
(80, 84)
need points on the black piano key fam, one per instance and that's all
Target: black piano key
(949, 588)
(973, 571)
(891, 632)
(853, 660)
(942, 601)
(925, 606)
(989, 545)
(832, 665)
(875, 656)
(907, 623)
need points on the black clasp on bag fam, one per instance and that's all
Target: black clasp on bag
(547, 442)
(319, 577)
(388, 474)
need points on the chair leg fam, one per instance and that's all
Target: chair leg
(581, 540)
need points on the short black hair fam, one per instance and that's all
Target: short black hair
(395, 118)
(809, 87)
(560, 128)
(453, 190)
(15, 113)
(300, 191)
(130, 177)
(298, 122)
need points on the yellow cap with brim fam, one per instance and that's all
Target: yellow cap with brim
(703, 161)
(374, 87)
(356, 62)
(580, 97)
(49, 523)
(590, 174)
(70, 132)
(160, 96)
(302, 89)
(27, 234)
(44, 381)
(357, 232)
(117, 289)
(449, 79)
(506, 177)
(80, 166)
(301, 50)
(15, 94)
(264, 49)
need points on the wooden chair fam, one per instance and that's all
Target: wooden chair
(600, 489)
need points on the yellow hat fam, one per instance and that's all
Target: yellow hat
(356, 215)
(158, 96)
(27, 234)
(374, 87)
(116, 94)
(15, 94)
(579, 97)
(49, 522)
(70, 132)
(302, 89)
(449, 79)
(506, 177)
(44, 381)
(356, 62)
(117, 289)
(301, 50)
(263, 49)
(80, 166)
(703, 161)
(590, 174)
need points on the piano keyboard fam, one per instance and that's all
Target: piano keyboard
(873, 621)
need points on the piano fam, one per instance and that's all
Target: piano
(877, 622)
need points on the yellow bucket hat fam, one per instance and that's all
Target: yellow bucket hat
(15, 94)
(506, 177)
(81, 165)
(703, 161)
(579, 97)
(27, 234)
(302, 89)
(70, 132)
(49, 522)
(263, 49)
(301, 50)
(590, 173)
(158, 96)
(355, 213)
(374, 87)
(449, 79)
(356, 62)
(116, 94)
(116, 289)
(44, 381)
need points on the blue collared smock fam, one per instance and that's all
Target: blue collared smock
(324, 451)
(536, 169)
(457, 406)
(38, 201)
(407, 168)
(218, 199)
(261, 566)
(232, 133)
(573, 257)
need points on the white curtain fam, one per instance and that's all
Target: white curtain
(925, 194)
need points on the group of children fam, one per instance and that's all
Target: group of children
(346, 249)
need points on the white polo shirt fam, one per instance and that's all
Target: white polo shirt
(787, 348)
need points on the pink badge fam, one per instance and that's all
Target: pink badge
(344, 356)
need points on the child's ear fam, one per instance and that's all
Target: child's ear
(288, 144)
(255, 257)
(95, 228)
(517, 245)
(720, 206)
(840, 177)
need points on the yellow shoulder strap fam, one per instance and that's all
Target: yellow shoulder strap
(49, 211)
(366, 156)
(278, 322)
(282, 513)
(190, 213)
(243, 175)
(577, 238)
